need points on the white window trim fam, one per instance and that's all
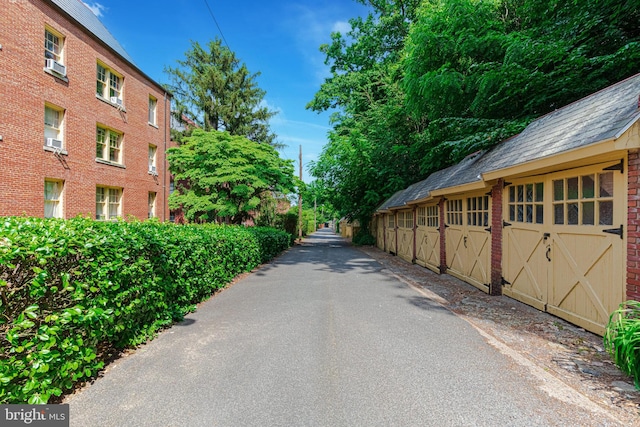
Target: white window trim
(59, 58)
(59, 131)
(106, 148)
(153, 99)
(107, 86)
(107, 202)
(59, 202)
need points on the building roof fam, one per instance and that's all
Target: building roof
(80, 13)
(599, 117)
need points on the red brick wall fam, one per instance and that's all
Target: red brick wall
(495, 287)
(24, 90)
(633, 227)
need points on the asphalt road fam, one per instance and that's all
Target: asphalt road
(322, 337)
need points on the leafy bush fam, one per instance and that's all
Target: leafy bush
(363, 238)
(622, 339)
(70, 288)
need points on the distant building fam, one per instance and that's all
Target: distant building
(83, 131)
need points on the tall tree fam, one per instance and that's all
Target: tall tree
(222, 178)
(212, 87)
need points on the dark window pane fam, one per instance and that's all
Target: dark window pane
(529, 213)
(520, 193)
(529, 192)
(539, 192)
(588, 187)
(558, 191)
(572, 213)
(606, 213)
(588, 213)
(486, 219)
(558, 214)
(512, 194)
(512, 213)
(572, 188)
(520, 213)
(539, 214)
(606, 184)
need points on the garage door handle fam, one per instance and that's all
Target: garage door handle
(465, 241)
(547, 254)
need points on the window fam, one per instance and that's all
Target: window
(478, 211)
(152, 204)
(53, 199)
(152, 110)
(584, 200)
(454, 212)
(108, 145)
(422, 216)
(53, 118)
(108, 203)
(526, 203)
(391, 221)
(172, 187)
(400, 219)
(152, 160)
(53, 46)
(433, 216)
(109, 84)
(408, 220)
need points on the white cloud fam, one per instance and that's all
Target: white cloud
(341, 27)
(95, 7)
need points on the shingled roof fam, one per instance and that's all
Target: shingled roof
(599, 117)
(80, 13)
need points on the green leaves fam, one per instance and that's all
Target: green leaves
(72, 289)
(221, 177)
(622, 339)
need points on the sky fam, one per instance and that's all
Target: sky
(280, 39)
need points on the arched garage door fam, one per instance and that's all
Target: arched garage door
(564, 246)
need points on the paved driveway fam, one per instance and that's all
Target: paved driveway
(324, 337)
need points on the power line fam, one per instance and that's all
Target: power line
(216, 22)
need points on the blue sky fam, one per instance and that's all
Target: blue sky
(278, 38)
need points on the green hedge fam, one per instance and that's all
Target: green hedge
(69, 288)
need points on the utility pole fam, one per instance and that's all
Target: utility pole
(300, 202)
(315, 206)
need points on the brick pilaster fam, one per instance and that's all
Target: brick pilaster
(495, 288)
(633, 227)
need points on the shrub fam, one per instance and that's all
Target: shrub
(69, 288)
(363, 238)
(622, 339)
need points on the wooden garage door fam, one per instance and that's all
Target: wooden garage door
(390, 233)
(428, 237)
(468, 240)
(380, 232)
(405, 234)
(571, 262)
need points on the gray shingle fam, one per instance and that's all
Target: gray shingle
(83, 15)
(596, 118)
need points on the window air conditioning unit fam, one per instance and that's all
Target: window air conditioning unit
(55, 143)
(153, 171)
(56, 67)
(116, 100)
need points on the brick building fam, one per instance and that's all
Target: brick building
(83, 130)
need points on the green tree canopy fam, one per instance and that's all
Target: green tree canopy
(212, 87)
(418, 85)
(221, 177)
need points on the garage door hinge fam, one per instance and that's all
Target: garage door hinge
(488, 229)
(506, 184)
(505, 223)
(504, 281)
(616, 167)
(618, 231)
